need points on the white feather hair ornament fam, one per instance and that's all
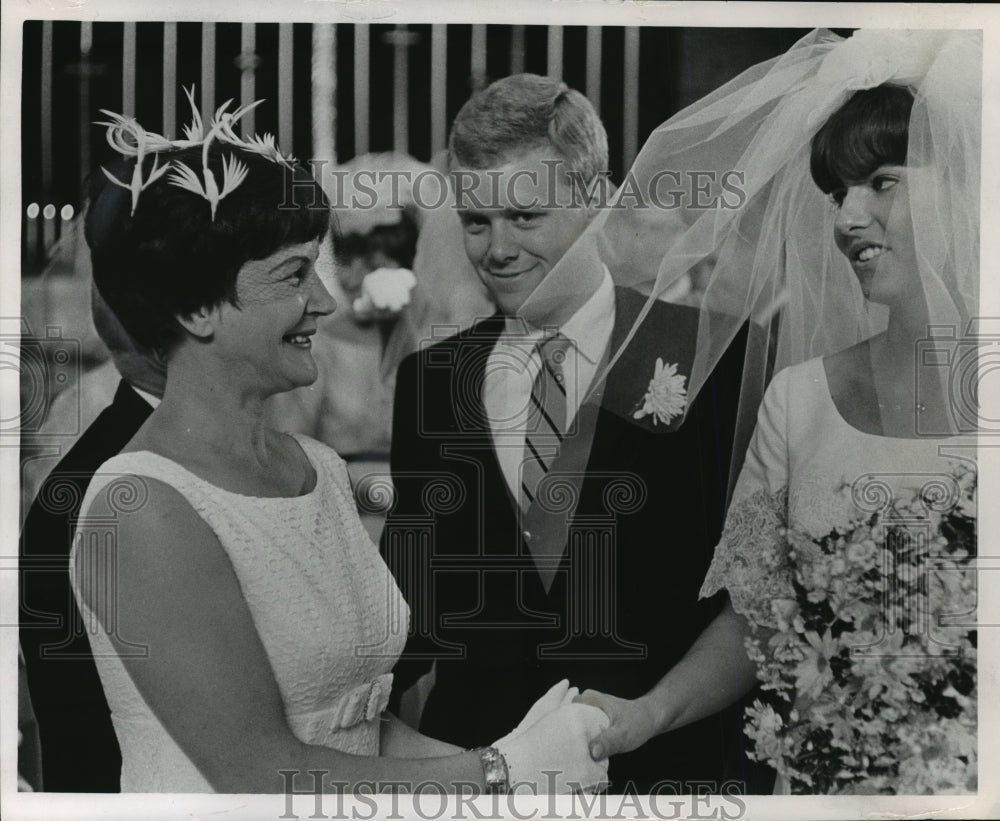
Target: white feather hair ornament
(130, 139)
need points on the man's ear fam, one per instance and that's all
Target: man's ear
(199, 323)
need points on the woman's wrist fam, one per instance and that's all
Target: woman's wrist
(496, 773)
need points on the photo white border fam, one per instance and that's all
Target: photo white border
(565, 12)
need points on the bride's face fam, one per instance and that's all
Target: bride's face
(874, 230)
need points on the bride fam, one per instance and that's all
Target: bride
(243, 623)
(850, 530)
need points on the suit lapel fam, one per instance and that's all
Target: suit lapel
(606, 423)
(470, 378)
(668, 333)
(545, 524)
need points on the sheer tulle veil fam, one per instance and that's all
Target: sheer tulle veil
(719, 210)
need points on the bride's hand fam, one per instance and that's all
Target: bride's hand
(632, 723)
(554, 753)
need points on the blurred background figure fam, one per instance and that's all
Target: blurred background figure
(396, 266)
(59, 297)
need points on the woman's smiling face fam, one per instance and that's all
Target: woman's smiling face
(874, 230)
(267, 335)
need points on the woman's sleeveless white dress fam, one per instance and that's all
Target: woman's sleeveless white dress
(326, 607)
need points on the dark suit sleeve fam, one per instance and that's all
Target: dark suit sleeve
(406, 458)
(79, 749)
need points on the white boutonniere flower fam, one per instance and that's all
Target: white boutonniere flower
(384, 293)
(666, 395)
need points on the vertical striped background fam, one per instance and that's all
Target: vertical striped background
(337, 90)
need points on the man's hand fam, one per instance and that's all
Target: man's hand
(633, 723)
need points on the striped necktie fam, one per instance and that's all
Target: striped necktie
(546, 422)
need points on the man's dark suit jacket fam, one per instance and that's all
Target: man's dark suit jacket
(623, 608)
(80, 752)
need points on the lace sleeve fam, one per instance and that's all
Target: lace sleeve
(751, 559)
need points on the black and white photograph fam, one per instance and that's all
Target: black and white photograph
(443, 410)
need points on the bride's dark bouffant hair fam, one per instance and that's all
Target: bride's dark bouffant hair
(171, 258)
(869, 130)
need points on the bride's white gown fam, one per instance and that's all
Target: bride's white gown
(326, 608)
(802, 454)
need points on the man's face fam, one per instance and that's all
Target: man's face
(518, 220)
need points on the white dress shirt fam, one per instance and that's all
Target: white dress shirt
(514, 362)
(152, 400)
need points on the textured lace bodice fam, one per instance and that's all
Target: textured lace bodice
(809, 470)
(327, 610)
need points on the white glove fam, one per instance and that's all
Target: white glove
(557, 695)
(385, 291)
(557, 744)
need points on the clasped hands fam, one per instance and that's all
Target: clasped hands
(573, 735)
(632, 722)
(551, 746)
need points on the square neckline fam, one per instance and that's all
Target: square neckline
(828, 394)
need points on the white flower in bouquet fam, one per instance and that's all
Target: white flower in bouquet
(875, 657)
(384, 293)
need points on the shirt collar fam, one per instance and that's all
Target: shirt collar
(579, 329)
(152, 400)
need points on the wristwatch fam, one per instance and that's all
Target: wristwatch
(495, 770)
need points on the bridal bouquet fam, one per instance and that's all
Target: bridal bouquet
(873, 664)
